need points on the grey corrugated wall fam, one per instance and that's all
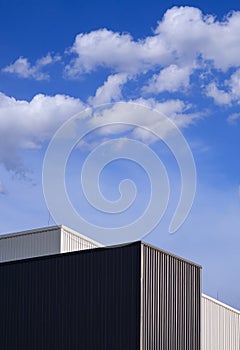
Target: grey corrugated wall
(171, 302)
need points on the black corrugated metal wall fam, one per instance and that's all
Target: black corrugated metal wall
(171, 302)
(85, 300)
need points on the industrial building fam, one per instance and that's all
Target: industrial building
(60, 290)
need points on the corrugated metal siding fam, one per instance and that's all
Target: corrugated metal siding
(86, 300)
(72, 241)
(30, 244)
(45, 241)
(220, 326)
(171, 302)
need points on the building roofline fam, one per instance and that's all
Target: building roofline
(48, 229)
(171, 254)
(220, 303)
(28, 232)
(98, 244)
(77, 234)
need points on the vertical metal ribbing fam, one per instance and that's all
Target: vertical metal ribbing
(83, 300)
(220, 326)
(171, 295)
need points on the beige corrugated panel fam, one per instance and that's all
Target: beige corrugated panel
(220, 326)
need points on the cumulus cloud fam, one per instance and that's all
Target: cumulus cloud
(117, 51)
(171, 79)
(220, 97)
(234, 85)
(110, 91)
(184, 35)
(185, 42)
(23, 68)
(191, 35)
(26, 125)
(175, 110)
(232, 92)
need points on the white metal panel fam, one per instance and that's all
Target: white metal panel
(29, 244)
(43, 241)
(72, 241)
(220, 326)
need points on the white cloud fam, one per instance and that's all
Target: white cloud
(24, 69)
(185, 40)
(25, 125)
(110, 90)
(175, 110)
(233, 118)
(182, 37)
(105, 48)
(234, 85)
(233, 90)
(190, 34)
(171, 78)
(220, 96)
(28, 124)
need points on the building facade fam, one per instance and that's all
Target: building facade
(129, 297)
(43, 241)
(60, 290)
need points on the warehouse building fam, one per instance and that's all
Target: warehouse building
(132, 296)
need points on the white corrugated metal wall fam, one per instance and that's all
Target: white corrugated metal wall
(220, 326)
(72, 241)
(43, 241)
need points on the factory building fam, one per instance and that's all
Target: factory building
(60, 290)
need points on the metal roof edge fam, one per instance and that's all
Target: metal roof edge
(28, 232)
(171, 254)
(221, 303)
(79, 235)
(65, 254)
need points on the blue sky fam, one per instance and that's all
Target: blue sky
(181, 58)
